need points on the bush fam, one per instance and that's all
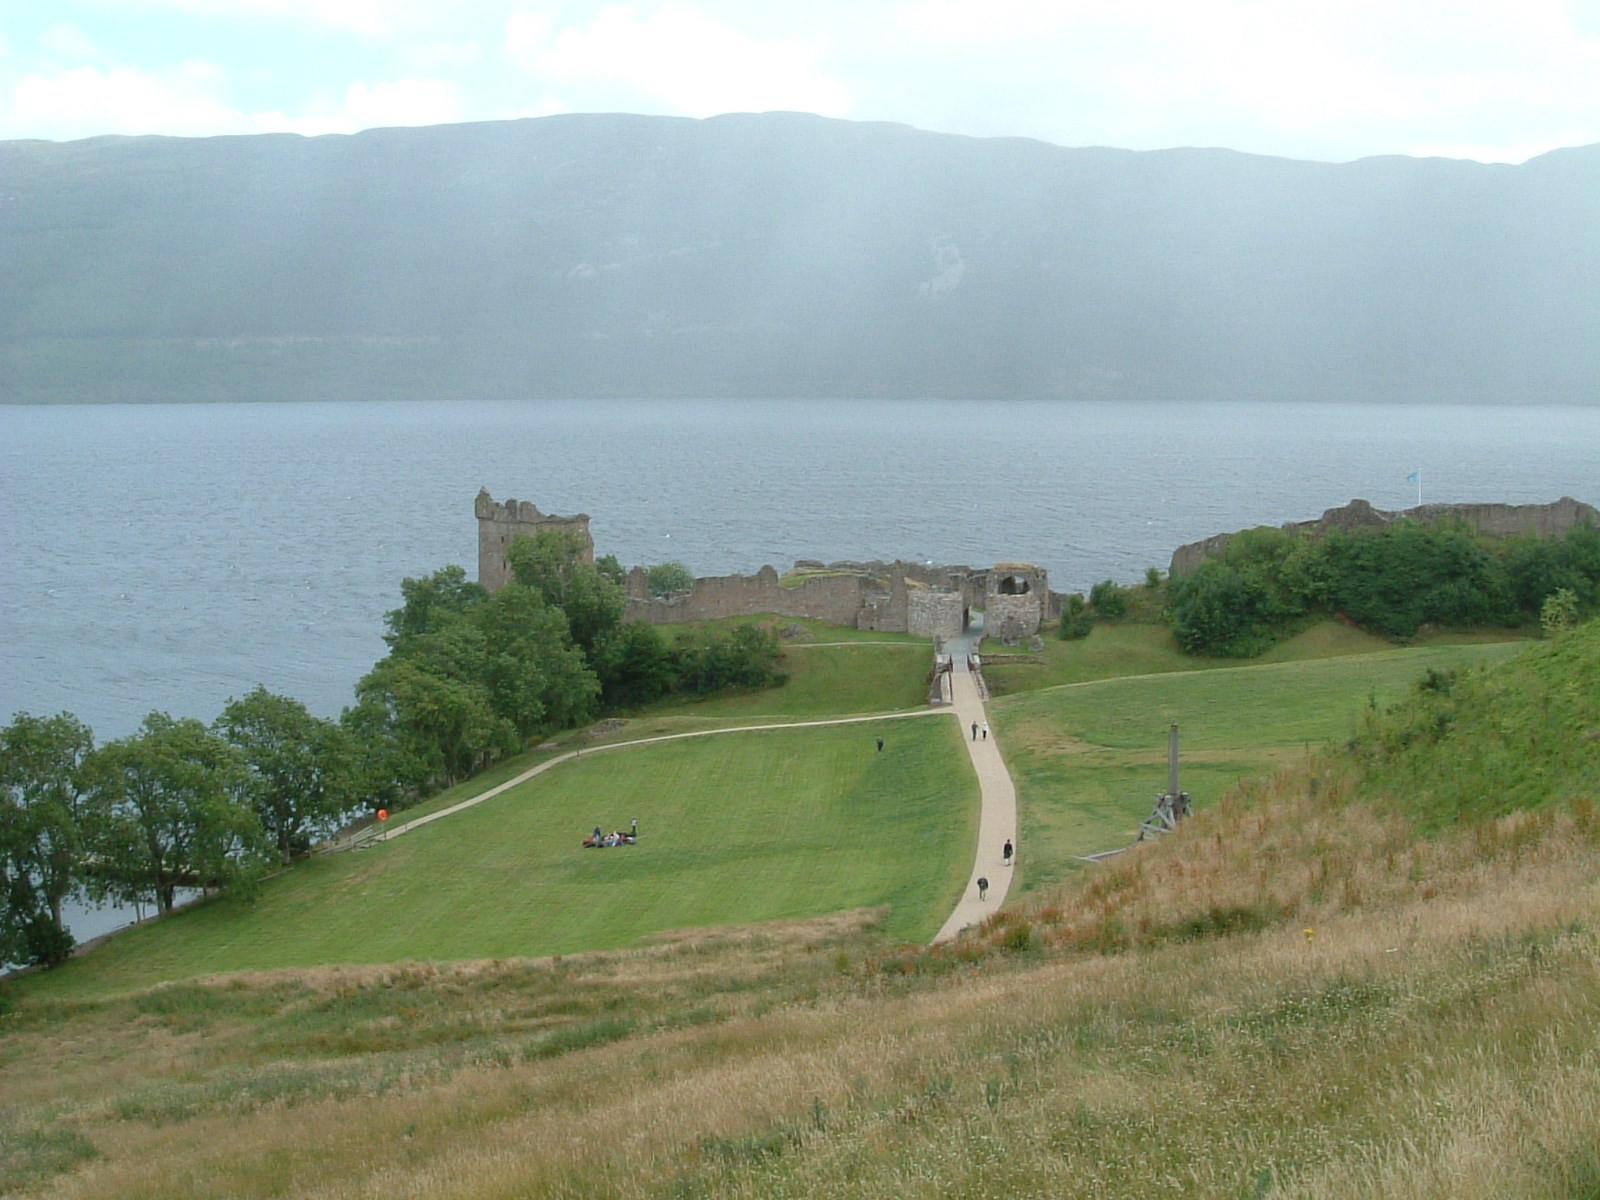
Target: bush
(664, 579)
(1108, 600)
(1076, 620)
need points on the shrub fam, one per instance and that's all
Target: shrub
(1076, 620)
(1108, 600)
(664, 579)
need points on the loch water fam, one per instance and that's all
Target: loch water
(171, 556)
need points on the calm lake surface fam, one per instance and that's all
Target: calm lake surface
(171, 556)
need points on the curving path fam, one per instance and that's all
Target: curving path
(997, 820)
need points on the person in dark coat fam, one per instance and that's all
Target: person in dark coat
(1007, 852)
(983, 887)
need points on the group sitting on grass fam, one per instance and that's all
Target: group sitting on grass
(616, 838)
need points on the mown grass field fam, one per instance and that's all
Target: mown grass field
(837, 672)
(1088, 759)
(735, 828)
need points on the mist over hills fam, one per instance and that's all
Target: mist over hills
(784, 255)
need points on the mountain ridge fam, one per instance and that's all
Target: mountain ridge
(784, 254)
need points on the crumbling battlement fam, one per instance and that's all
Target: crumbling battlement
(498, 524)
(1497, 520)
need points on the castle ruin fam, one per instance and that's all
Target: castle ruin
(926, 599)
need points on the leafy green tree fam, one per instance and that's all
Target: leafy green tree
(436, 725)
(431, 603)
(746, 657)
(1396, 579)
(537, 678)
(1108, 600)
(300, 771)
(635, 667)
(44, 812)
(168, 813)
(1212, 612)
(664, 579)
(1261, 557)
(551, 563)
(1559, 613)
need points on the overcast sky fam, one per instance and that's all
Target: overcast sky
(1494, 80)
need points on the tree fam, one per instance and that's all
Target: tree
(1211, 611)
(635, 667)
(299, 769)
(1108, 600)
(441, 723)
(43, 819)
(1559, 612)
(431, 603)
(169, 813)
(551, 562)
(1076, 619)
(537, 678)
(664, 579)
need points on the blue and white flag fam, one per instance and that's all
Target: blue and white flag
(1415, 476)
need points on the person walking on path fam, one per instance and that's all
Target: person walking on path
(983, 887)
(986, 731)
(974, 731)
(1007, 852)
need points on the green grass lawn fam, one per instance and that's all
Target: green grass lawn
(1088, 759)
(735, 828)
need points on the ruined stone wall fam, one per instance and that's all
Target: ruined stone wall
(836, 598)
(922, 598)
(498, 524)
(1498, 520)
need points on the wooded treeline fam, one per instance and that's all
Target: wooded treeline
(1392, 581)
(470, 676)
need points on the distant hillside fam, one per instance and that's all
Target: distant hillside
(783, 255)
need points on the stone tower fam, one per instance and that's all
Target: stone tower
(499, 523)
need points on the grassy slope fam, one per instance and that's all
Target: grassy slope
(1145, 648)
(1391, 1017)
(1089, 758)
(740, 827)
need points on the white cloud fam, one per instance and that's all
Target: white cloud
(366, 17)
(189, 102)
(86, 101)
(397, 102)
(70, 42)
(674, 56)
(1326, 78)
